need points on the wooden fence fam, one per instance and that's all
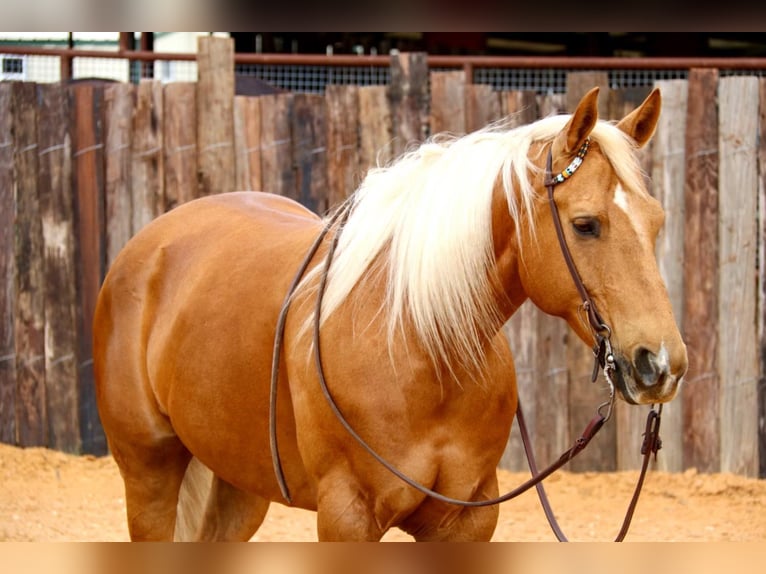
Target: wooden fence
(83, 167)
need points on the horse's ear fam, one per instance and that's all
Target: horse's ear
(579, 126)
(641, 122)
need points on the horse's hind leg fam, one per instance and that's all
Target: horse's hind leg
(211, 509)
(152, 475)
(232, 514)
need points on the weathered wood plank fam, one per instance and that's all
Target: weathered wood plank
(409, 98)
(179, 100)
(551, 104)
(215, 115)
(522, 333)
(520, 107)
(147, 158)
(482, 106)
(761, 317)
(119, 104)
(375, 129)
(342, 142)
(580, 83)
(737, 234)
(88, 181)
(276, 144)
(56, 201)
(552, 405)
(31, 415)
(310, 151)
(668, 176)
(7, 270)
(700, 393)
(448, 99)
(247, 138)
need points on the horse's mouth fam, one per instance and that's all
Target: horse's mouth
(633, 391)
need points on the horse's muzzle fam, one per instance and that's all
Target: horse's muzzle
(647, 378)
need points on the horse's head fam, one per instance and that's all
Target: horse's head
(610, 223)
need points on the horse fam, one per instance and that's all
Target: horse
(437, 250)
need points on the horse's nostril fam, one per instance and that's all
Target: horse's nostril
(646, 365)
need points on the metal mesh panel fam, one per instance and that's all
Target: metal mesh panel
(296, 78)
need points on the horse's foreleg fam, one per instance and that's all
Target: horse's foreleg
(343, 514)
(439, 522)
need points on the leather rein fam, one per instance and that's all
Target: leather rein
(603, 359)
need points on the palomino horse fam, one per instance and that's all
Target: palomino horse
(438, 251)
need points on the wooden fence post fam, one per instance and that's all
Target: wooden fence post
(276, 144)
(119, 106)
(88, 181)
(30, 290)
(448, 99)
(179, 100)
(7, 271)
(375, 129)
(408, 97)
(147, 166)
(56, 201)
(215, 115)
(761, 317)
(668, 177)
(737, 258)
(482, 106)
(342, 142)
(310, 151)
(247, 142)
(700, 393)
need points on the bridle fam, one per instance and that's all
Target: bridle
(603, 359)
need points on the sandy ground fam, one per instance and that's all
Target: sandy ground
(48, 496)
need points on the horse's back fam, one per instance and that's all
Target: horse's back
(185, 322)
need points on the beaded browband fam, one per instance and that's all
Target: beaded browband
(572, 167)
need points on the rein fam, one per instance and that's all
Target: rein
(603, 359)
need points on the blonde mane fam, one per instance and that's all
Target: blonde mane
(423, 225)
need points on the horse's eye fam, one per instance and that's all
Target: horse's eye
(587, 226)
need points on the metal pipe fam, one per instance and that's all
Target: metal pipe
(578, 62)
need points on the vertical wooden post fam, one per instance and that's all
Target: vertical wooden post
(310, 155)
(737, 258)
(522, 333)
(580, 83)
(119, 105)
(700, 393)
(276, 144)
(375, 129)
(342, 142)
(56, 201)
(668, 177)
(30, 290)
(247, 138)
(147, 165)
(7, 270)
(448, 99)
(520, 106)
(408, 96)
(215, 115)
(179, 142)
(482, 106)
(761, 320)
(88, 180)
